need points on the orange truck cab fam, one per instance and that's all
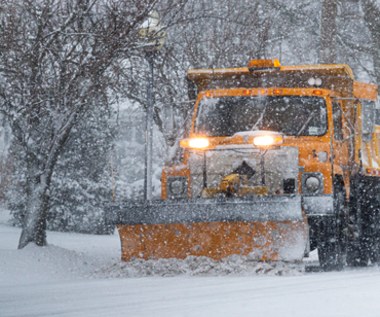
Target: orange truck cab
(304, 137)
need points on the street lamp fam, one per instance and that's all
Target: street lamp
(152, 36)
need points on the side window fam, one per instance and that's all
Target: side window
(377, 120)
(368, 119)
(337, 119)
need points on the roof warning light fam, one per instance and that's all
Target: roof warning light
(263, 64)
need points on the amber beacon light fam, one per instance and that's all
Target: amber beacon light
(263, 64)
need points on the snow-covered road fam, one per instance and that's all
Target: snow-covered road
(68, 278)
(343, 294)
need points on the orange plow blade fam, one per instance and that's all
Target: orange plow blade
(264, 229)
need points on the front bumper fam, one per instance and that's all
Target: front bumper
(318, 205)
(260, 209)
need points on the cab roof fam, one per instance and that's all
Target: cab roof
(335, 77)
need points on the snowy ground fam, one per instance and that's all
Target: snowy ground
(81, 275)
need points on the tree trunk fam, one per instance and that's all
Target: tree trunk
(34, 226)
(327, 49)
(372, 19)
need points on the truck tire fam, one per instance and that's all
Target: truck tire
(375, 250)
(332, 239)
(330, 251)
(370, 243)
(364, 246)
(356, 256)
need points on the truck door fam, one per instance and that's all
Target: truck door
(343, 141)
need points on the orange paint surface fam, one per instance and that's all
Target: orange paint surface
(216, 240)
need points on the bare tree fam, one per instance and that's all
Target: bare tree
(371, 10)
(327, 49)
(219, 33)
(58, 59)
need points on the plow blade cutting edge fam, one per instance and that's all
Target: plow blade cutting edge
(265, 229)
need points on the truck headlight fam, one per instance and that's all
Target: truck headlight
(266, 139)
(312, 183)
(177, 187)
(199, 143)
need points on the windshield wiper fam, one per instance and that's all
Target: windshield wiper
(306, 123)
(259, 120)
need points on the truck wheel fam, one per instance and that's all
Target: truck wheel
(356, 257)
(375, 249)
(374, 254)
(331, 250)
(364, 244)
(365, 248)
(330, 256)
(332, 242)
(370, 241)
(357, 248)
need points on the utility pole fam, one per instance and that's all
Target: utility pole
(149, 129)
(153, 37)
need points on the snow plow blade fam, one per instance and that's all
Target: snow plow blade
(266, 229)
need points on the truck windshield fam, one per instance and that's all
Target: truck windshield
(290, 115)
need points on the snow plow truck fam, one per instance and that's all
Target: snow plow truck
(277, 161)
